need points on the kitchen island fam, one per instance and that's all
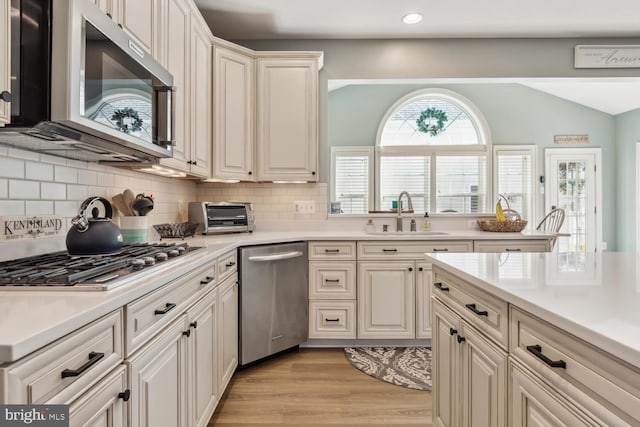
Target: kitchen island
(552, 336)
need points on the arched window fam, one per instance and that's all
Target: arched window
(435, 144)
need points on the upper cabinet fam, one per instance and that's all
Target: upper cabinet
(5, 62)
(184, 49)
(136, 17)
(287, 117)
(233, 113)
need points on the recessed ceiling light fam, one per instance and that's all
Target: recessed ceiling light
(412, 18)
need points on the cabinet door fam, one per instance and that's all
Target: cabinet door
(158, 380)
(484, 381)
(203, 358)
(103, 404)
(444, 366)
(233, 115)
(176, 56)
(424, 278)
(386, 299)
(137, 19)
(5, 59)
(110, 7)
(201, 140)
(228, 332)
(287, 119)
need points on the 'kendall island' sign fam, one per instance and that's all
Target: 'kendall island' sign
(623, 56)
(20, 227)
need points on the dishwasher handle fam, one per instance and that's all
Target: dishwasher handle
(275, 257)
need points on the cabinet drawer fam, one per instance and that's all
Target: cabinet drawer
(147, 315)
(332, 319)
(410, 250)
(484, 311)
(332, 280)
(102, 402)
(511, 246)
(227, 264)
(577, 362)
(332, 250)
(63, 369)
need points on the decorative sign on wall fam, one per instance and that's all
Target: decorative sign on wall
(623, 56)
(21, 227)
(571, 139)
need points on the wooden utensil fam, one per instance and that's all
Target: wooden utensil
(129, 198)
(118, 202)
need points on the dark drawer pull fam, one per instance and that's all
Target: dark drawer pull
(93, 359)
(194, 325)
(440, 286)
(473, 308)
(125, 395)
(536, 350)
(167, 308)
(187, 333)
(460, 339)
(452, 331)
(230, 264)
(331, 251)
(207, 280)
(332, 280)
(513, 250)
(389, 250)
(440, 249)
(331, 320)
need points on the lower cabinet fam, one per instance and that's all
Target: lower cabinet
(104, 404)
(469, 374)
(228, 331)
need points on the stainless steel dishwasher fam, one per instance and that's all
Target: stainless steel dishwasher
(274, 313)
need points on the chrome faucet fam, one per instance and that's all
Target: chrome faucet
(409, 207)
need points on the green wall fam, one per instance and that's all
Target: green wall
(627, 136)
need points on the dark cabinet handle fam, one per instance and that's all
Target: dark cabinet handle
(473, 308)
(189, 162)
(194, 325)
(332, 280)
(109, 15)
(94, 357)
(313, 173)
(460, 339)
(440, 249)
(120, 25)
(125, 395)
(513, 250)
(195, 163)
(207, 280)
(440, 286)
(420, 268)
(187, 333)
(536, 350)
(410, 268)
(230, 264)
(167, 308)
(331, 251)
(331, 320)
(5, 96)
(452, 331)
(389, 250)
(250, 173)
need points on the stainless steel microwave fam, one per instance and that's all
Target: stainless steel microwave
(82, 88)
(222, 217)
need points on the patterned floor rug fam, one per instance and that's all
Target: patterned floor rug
(404, 366)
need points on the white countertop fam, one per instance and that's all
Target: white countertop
(595, 297)
(31, 319)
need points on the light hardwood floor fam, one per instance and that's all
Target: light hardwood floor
(315, 387)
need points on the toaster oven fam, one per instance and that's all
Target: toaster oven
(222, 217)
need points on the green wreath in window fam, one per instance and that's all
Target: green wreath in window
(127, 120)
(432, 121)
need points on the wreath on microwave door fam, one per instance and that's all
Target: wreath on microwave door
(127, 120)
(432, 121)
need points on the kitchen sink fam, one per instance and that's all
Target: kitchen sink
(409, 233)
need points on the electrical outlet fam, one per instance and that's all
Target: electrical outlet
(472, 223)
(304, 206)
(604, 246)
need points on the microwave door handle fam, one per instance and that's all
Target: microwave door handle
(275, 257)
(165, 97)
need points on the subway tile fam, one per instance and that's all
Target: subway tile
(11, 168)
(121, 181)
(11, 207)
(87, 177)
(53, 191)
(46, 158)
(99, 191)
(39, 171)
(23, 154)
(24, 189)
(77, 192)
(105, 179)
(66, 174)
(39, 207)
(66, 208)
(79, 164)
(4, 189)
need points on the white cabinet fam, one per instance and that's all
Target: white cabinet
(233, 105)
(228, 330)
(287, 118)
(186, 53)
(386, 299)
(508, 245)
(136, 17)
(424, 279)
(104, 404)
(469, 374)
(5, 62)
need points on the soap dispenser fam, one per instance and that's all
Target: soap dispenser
(426, 225)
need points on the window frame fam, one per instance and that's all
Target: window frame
(524, 149)
(365, 151)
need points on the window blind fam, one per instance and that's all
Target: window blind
(352, 182)
(460, 183)
(515, 180)
(405, 173)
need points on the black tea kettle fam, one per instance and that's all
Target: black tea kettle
(94, 235)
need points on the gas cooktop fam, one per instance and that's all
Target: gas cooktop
(59, 270)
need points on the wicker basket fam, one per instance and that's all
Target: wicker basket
(176, 230)
(502, 226)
